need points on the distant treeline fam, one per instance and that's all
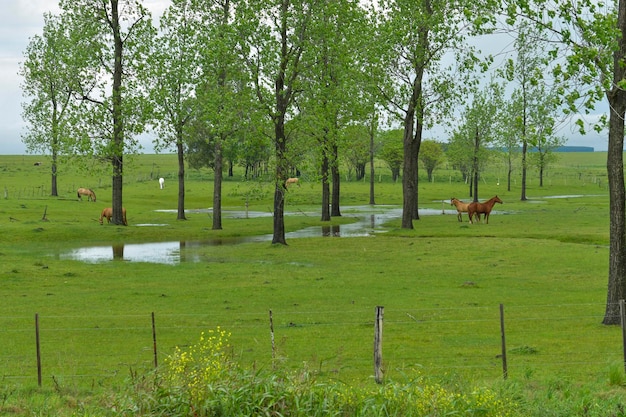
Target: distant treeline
(564, 149)
(574, 149)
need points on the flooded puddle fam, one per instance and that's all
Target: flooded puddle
(170, 253)
(370, 222)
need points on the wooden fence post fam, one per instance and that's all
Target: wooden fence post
(38, 349)
(378, 345)
(154, 342)
(505, 370)
(272, 339)
(622, 313)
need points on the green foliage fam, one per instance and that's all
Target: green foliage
(356, 148)
(49, 78)
(392, 151)
(587, 31)
(202, 379)
(102, 77)
(431, 155)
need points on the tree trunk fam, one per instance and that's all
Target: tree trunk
(409, 187)
(524, 165)
(118, 124)
(475, 169)
(615, 168)
(336, 177)
(508, 175)
(411, 144)
(221, 138)
(181, 177)
(372, 132)
(53, 186)
(409, 174)
(325, 185)
(116, 197)
(282, 95)
(418, 144)
(281, 176)
(217, 186)
(54, 146)
(617, 260)
(360, 171)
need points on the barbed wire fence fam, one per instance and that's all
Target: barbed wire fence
(482, 341)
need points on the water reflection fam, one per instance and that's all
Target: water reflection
(118, 252)
(370, 221)
(154, 252)
(334, 230)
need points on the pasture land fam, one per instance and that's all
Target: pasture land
(545, 260)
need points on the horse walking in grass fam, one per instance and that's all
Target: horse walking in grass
(482, 208)
(461, 207)
(91, 196)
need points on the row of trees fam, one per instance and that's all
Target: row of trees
(296, 72)
(221, 70)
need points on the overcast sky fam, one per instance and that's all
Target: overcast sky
(22, 19)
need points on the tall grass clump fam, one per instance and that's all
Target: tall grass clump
(203, 379)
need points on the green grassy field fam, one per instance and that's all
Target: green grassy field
(545, 260)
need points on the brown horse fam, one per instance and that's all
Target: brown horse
(482, 208)
(91, 196)
(108, 213)
(461, 207)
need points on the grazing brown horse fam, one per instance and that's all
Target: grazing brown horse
(108, 213)
(461, 207)
(91, 196)
(482, 208)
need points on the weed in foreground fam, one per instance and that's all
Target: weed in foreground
(203, 380)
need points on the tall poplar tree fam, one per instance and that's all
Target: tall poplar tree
(173, 80)
(528, 71)
(414, 37)
(594, 36)
(224, 94)
(478, 130)
(115, 38)
(333, 82)
(274, 37)
(48, 80)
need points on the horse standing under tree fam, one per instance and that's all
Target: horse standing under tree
(91, 196)
(461, 207)
(108, 213)
(482, 208)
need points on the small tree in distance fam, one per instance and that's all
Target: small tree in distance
(431, 156)
(392, 151)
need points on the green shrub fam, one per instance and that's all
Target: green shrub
(203, 380)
